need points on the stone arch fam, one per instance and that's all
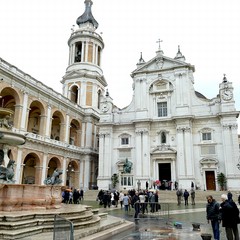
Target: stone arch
(35, 120)
(72, 176)
(57, 130)
(73, 93)
(31, 169)
(75, 133)
(54, 163)
(9, 98)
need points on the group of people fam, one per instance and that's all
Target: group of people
(226, 212)
(185, 195)
(72, 196)
(140, 201)
(108, 198)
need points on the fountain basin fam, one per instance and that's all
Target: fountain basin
(21, 197)
(11, 138)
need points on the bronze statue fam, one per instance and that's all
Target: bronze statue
(127, 167)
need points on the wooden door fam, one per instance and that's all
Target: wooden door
(210, 180)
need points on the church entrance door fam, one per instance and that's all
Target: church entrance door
(210, 180)
(164, 170)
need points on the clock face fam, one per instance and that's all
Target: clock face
(227, 94)
(105, 107)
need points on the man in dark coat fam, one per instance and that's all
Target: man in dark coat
(212, 209)
(136, 204)
(230, 217)
(186, 195)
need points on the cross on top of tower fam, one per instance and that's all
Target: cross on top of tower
(159, 41)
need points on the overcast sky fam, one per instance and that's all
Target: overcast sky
(34, 35)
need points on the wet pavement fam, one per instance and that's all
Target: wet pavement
(161, 227)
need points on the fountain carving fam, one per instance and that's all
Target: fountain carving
(18, 197)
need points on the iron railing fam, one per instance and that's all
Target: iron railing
(153, 210)
(63, 229)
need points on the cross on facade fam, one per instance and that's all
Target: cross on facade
(159, 41)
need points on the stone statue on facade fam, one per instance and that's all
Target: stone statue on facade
(6, 122)
(54, 179)
(127, 166)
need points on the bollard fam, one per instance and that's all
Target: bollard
(206, 236)
(196, 226)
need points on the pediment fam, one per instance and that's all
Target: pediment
(161, 63)
(163, 149)
(208, 161)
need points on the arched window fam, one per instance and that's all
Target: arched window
(74, 94)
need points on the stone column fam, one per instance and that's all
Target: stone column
(38, 175)
(44, 167)
(67, 129)
(42, 125)
(83, 52)
(86, 52)
(180, 152)
(105, 164)
(62, 132)
(228, 150)
(49, 121)
(24, 114)
(189, 152)
(78, 96)
(64, 168)
(73, 53)
(81, 174)
(19, 166)
(83, 137)
(87, 169)
(89, 134)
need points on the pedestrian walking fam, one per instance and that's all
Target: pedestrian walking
(121, 195)
(179, 196)
(213, 216)
(229, 213)
(229, 196)
(116, 197)
(186, 195)
(152, 202)
(192, 193)
(126, 202)
(136, 204)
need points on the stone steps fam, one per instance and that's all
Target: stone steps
(17, 225)
(170, 196)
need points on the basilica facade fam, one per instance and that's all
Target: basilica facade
(172, 135)
(169, 133)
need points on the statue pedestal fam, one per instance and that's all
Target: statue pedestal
(21, 197)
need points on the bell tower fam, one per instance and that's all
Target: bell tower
(84, 82)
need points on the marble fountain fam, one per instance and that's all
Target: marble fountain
(28, 210)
